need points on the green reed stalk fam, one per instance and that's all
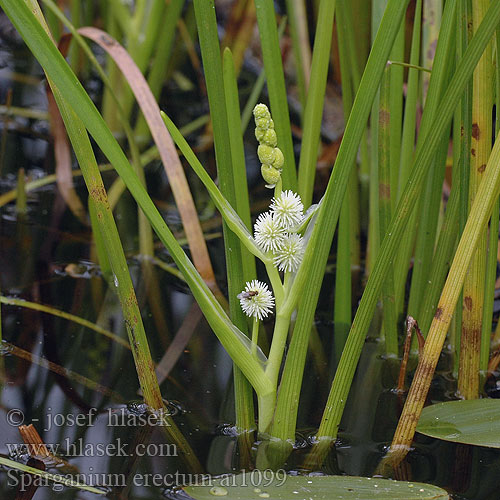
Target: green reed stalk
(271, 53)
(146, 246)
(342, 309)
(220, 98)
(142, 39)
(427, 208)
(358, 188)
(76, 20)
(132, 316)
(242, 201)
(118, 20)
(21, 198)
(386, 193)
(52, 61)
(425, 151)
(474, 285)
(410, 114)
(396, 111)
(245, 419)
(312, 269)
(478, 218)
(431, 32)
(161, 57)
(442, 259)
(378, 8)
(427, 229)
(313, 112)
(491, 263)
(464, 35)
(246, 114)
(297, 15)
(407, 152)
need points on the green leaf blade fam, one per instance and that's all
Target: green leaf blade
(475, 422)
(252, 486)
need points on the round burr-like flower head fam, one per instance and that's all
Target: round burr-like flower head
(289, 256)
(269, 233)
(287, 209)
(256, 300)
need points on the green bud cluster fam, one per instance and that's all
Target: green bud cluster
(270, 156)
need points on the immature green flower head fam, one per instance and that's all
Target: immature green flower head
(287, 209)
(266, 154)
(270, 174)
(289, 256)
(270, 155)
(261, 111)
(269, 233)
(256, 300)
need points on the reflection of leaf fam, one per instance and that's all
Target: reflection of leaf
(255, 485)
(475, 422)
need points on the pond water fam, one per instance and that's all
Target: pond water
(79, 389)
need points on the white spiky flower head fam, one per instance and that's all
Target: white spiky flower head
(287, 209)
(256, 300)
(269, 233)
(289, 256)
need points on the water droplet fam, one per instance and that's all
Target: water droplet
(257, 490)
(264, 495)
(218, 491)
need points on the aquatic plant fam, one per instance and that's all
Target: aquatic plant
(383, 182)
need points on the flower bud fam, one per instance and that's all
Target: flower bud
(279, 159)
(262, 123)
(260, 134)
(261, 111)
(270, 174)
(270, 138)
(266, 154)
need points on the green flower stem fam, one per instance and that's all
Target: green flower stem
(266, 403)
(274, 278)
(228, 213)
(280, 335)
(255, 335)
(278, 188)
